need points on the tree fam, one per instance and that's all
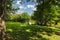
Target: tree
(45, 10)
(25, 17)
(2, 12)
(5, 7)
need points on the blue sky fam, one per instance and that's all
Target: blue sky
(28, 7)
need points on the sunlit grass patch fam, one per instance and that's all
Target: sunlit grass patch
(22, 31)
(10, 30)
(59, 24)
(28, 30)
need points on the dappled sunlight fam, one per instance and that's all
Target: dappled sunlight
(31, 32)
(28, 30)
(59, 24)
(10, 30)
(30, 19)
(53, 37)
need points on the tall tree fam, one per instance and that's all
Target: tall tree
(2, 24)
(45, 10)
(5, 7)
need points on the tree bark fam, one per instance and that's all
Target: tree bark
(2, 29)
(2, 22)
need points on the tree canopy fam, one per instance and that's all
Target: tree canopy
(47, 11)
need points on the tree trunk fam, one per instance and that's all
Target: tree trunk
(2, 22)
(2, 29)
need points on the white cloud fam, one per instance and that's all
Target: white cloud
(30, 6)
(22, 7)
(18, 2)
(20, 11)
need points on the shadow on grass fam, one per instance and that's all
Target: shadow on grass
(29, 32)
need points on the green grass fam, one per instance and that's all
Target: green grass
(21, 31)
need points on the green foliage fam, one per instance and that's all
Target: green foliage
(24, 17)
(6, 7)
(47, 11)
(9, 6)
(20, 31)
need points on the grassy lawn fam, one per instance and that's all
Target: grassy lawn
(20, 31)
